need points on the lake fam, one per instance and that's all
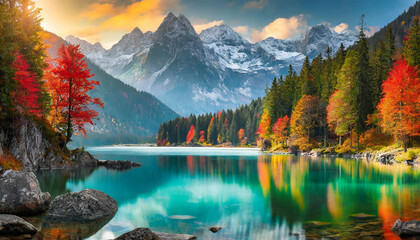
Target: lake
(250, 194)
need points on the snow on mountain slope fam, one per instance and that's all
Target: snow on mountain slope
(207, 72)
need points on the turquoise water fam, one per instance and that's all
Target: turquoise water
(251, 195)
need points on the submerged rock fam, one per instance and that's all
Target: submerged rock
(119, 165)
(181, 217)
(407, 229)
(11, 225)
(362, 216)
(172, 236)
(85, 206)
(140, 234)
(215, 229)
(20, 194)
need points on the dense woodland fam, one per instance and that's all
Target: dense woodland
(358, 98)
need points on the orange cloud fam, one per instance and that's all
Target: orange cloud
(255, 4)
(200, 27)
(341, 27)
(241, 29)
(97, 11)
(281, 28)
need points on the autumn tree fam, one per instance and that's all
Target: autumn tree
(241, 138)
(27, 92)
(72, 74)
(190, 134)
(303, 121)
(264, 128)
(399, 107)
(281, 130)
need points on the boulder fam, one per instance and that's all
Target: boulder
(139, 234)
(20, 194)
(119, 165)
(82, 207)
(266, 145)
(11, 225)
(407, 229)
(82, 158)
(215, 229)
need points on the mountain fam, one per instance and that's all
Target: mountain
(217, 69)
(127, 112)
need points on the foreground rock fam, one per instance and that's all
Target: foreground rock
(215, 229)
(85, 206)
(20, 194)
(147, 234)
(140, 234)
(11, 225)
(407, 229)
(119, 165)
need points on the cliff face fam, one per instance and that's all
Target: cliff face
(29, 144)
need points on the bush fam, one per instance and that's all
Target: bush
(8, 162)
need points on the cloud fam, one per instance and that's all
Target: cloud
(200, 27)
(255, 4)
(369, 30)
(241, 29)
(97, 10)
(341, 27)
(281, 28)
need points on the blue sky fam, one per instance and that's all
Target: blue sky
(107, 20)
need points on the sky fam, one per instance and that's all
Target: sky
(106, 21)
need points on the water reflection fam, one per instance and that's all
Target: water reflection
(252, 196)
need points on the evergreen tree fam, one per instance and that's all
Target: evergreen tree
(411, 48)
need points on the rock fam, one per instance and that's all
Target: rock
(362, 216)
(314, 153)
(82, 158)
(140, 234)
(407, 229)
(119, 165)
(171, 236)
(387, 158)
(266, 145)
(14, 225)
(85, 206)
(20, 194)
(215, 229)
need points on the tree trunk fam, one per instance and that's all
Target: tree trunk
(339, 140)
(325, 136)
(69, 114)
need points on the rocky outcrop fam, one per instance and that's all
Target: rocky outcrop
(11, 225)
(30, 145)
(20, 194)
(139, 233)
(82, 158)
(85, 206)
(387, 158)
(266, 145)
(119, 165)
(407, 229)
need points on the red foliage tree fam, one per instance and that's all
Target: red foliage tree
(399, 107)
(190, 134)
(72, 74)
(202, 139)
(264, 130)
(27, 93)
(241, 134)
(281, 129)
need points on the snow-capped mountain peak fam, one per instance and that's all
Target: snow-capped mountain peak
(221, 34)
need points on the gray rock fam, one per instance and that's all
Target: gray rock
(407, 229)
(139, 234)
(119, 165)
(20, 194)
(215, 229)
(266, 145)
(85, 206)
(171, 236)
(82, 158)
(14, 225)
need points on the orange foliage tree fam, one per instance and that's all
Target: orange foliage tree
(241, 134)
(202, 139)
(303, 120)
(190, 134)
(399, 108)
(264, 129)
(71, 100)
(27, 93)
(281, 130)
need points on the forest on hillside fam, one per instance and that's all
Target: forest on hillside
(360, 97)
